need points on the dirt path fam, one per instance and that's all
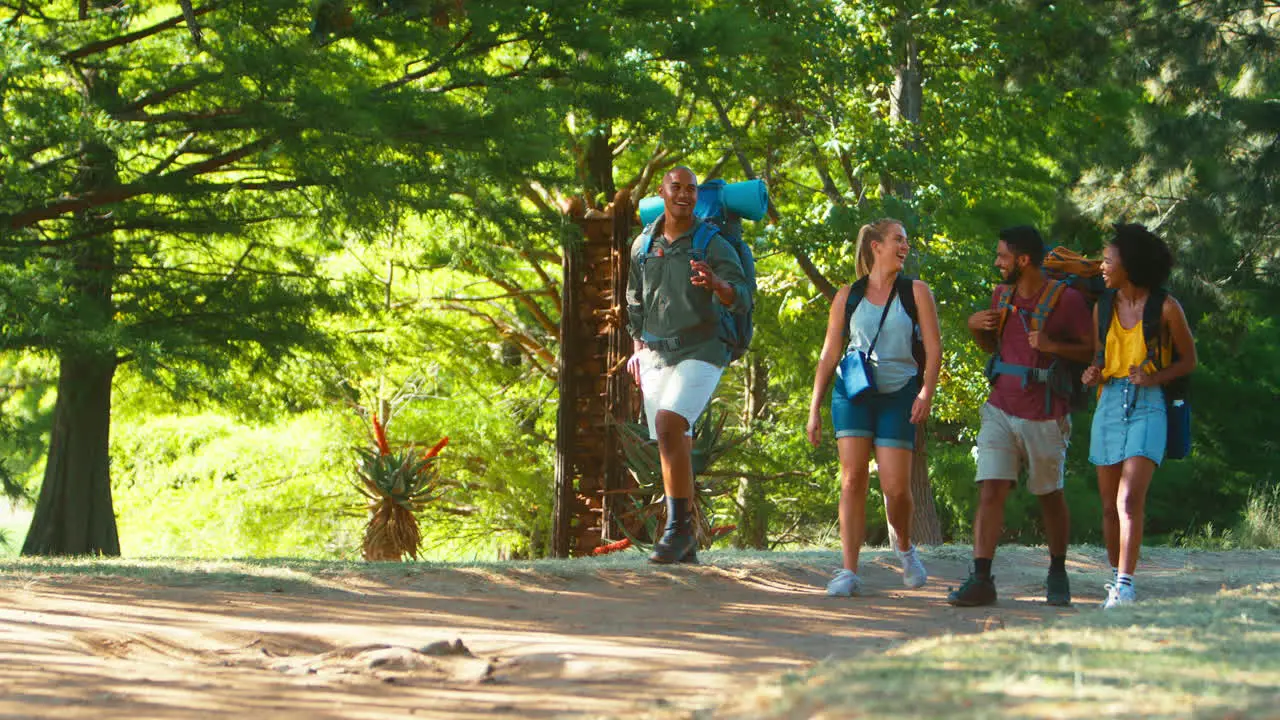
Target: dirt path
(607, 641)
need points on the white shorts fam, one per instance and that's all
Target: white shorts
(684, 388)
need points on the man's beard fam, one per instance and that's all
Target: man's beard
(1013, 276)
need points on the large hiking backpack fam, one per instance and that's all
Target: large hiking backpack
(736, 328)
(1077, 271)
(1177, 394)
(907, 295)
(1062, 377)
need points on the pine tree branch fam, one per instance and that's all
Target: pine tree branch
(189, 15)
(162, 95)
(172, 228)
(435, 65)
(172, 157)
(211, 114)
(103, 45)
(120, 193)
(487, 298)
(237, 269)
(551, 328)
(535, 351)
(552, 288)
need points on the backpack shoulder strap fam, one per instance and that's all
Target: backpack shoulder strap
(644, 243)
(1105, 307)
(857, 291)
(1152, 324)
(702, 238)
(1005, 305)
(1049, 299)
(907, 296)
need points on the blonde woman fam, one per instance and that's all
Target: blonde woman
(893, 320)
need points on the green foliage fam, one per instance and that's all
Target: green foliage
(346, 199)
(1259, 526)
(403, 477)
(203, 485)
(1257, 529)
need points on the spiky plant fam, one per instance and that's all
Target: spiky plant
(398, 484)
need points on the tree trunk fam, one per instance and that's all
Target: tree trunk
(926, 529)
(73, 514)
(753, 506)
(564, 500)
(600, 165)
(908, 98)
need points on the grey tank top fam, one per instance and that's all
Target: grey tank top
(892, 363)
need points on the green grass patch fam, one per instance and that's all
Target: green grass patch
(14, 521)
(1198, 656)
(317, 573)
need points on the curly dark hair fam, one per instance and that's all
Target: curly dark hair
(1146, 258)
(1024, 240)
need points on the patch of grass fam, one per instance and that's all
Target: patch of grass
(1257, 529)
(1180, 566)
(1260, 524)
(14, 522)
(319, 572)
(1199, 656)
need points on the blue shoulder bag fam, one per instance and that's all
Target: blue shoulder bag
(855, 369)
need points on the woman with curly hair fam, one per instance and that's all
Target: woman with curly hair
(1143, 344)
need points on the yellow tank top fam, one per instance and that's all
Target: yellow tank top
(1127, 347)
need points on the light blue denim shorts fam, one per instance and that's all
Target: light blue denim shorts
(1130, 421)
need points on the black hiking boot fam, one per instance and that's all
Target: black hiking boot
(1057, 589)
(678, 544)
(974, 592)
(675, 547)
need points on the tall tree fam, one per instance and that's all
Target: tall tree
(171, 192)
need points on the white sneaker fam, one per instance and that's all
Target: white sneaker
(913, 572)
(1118, 595)
(846, 583)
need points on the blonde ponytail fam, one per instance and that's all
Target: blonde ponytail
(871, 232)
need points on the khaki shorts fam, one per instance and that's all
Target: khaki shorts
(1007, 443)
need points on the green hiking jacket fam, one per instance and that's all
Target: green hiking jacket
(663, 303)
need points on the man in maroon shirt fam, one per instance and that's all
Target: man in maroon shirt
(1025, 424)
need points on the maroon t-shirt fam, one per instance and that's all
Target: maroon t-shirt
(1070, 321)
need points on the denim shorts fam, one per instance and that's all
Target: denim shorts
(886, 417)
(1130, 421)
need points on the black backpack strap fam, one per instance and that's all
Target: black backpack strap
(1106, 308)
(1152, 325)
(857, 291)
(887, 305)
(907, 295)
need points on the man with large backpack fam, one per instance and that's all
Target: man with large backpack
(689, 300)
(1038, 331)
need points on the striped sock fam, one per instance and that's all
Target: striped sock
(1123, 579)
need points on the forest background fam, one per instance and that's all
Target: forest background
(229, 228)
